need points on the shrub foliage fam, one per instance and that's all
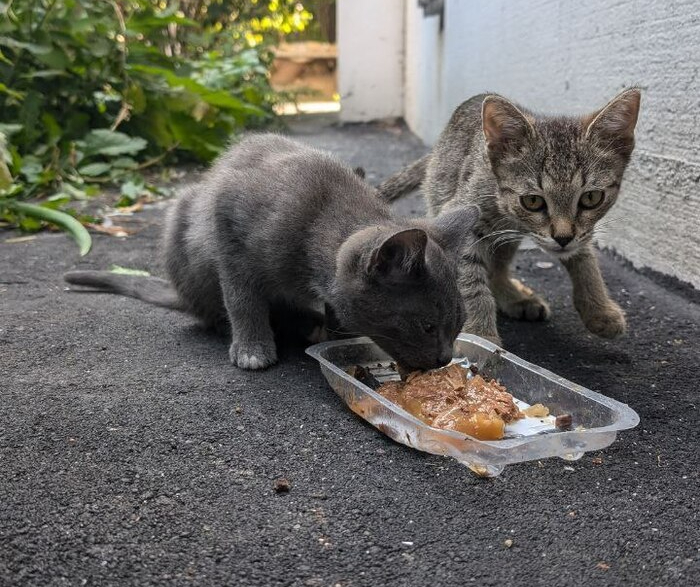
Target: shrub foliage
(94, 91)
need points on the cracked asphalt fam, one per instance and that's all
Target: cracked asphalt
(133, 453)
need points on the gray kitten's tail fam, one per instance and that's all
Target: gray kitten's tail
(405, 181)
(149, 289)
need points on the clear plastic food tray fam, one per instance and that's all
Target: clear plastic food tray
(596, 418)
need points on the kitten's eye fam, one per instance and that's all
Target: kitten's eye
(592, 199)
(533, 203)
(428, 327)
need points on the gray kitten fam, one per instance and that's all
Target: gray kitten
(276, 222)
(550, 178)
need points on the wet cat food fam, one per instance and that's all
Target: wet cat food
(446, 398)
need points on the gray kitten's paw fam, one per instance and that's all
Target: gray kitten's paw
(252, 355)
(607, 321)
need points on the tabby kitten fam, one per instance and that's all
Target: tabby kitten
(550, 178)
(276, 223)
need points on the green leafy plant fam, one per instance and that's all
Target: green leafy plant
(92, 92)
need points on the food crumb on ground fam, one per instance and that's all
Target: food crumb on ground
(508, 542)
(282, 485)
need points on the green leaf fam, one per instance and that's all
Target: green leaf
(124, 163)
(109, 142)
(135, 96)
(6, 180)
(75, 193)
(56, 59)
(52, 128)
(94, 169)
(29, 224)
(43, 73)
(60, 219)
(56, 201)
(123, 202)
(31, 168)
(16, 95)
(9, 129)
(218, 98)
(20, 45)
(126, 271)
(132, 190)
(101, 47)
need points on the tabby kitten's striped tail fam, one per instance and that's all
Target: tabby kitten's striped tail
(405, 181)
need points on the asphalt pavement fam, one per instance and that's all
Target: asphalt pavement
(133, 453)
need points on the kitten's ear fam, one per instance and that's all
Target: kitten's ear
(505, 127)
(615, 123)
(451, 228)
(401, 255)
(360, 172)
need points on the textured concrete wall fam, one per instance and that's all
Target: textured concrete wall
(571, 57)
(370, 58)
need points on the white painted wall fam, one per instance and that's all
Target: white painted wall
(371, 58)
(423, 74)
(561, 56)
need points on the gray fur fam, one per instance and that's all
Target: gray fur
(276, 222)
(153, 290)
(491, 154)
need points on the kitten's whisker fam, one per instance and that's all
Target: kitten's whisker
(493, 235)
(505, 239)
(608, 222)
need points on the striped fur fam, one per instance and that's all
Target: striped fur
(501, 157)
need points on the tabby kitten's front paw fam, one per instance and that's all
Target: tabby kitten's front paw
(533, 309)
(606, 321)
(516, 300)
(252, 355)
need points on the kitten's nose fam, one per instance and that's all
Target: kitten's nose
(563, 240)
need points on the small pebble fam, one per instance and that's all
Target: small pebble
(507, 543)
